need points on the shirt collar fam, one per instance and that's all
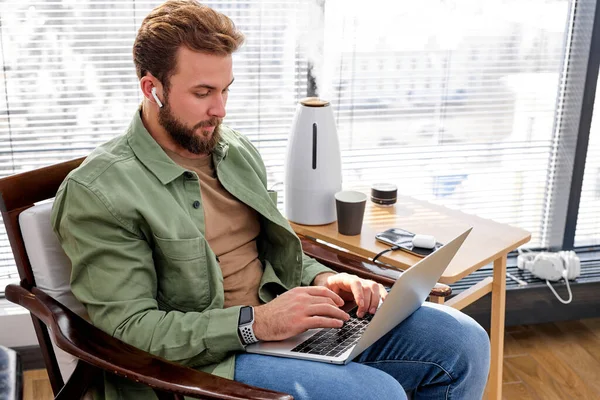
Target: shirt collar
(149, 152)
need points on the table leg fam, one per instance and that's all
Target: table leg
(494, 385)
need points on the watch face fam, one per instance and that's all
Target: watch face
(245, 315)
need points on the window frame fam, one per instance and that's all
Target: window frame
(583, 135)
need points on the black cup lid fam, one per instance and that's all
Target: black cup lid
(384, 191)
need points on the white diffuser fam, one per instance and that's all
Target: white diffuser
(313, 167)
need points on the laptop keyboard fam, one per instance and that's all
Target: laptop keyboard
(333, 342)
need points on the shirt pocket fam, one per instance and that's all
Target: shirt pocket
(182, 272)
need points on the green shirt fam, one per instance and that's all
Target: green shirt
(132, 222)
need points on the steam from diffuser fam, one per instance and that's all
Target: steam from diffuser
(310, 38)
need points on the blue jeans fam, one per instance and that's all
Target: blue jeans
(436, 353)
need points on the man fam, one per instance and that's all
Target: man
(171, 233)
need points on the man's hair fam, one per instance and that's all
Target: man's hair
(177, 23)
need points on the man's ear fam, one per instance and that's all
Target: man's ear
(152, 89)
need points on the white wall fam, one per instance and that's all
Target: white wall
(16, 328)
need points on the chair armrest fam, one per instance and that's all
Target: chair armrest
(347, 262)
(78, 337)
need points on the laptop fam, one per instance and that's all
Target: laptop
(340, 346)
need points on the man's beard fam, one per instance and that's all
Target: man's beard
(185, 136)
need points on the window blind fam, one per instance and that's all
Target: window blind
(68, 81)
(461, 103)
(588, 219)
(456, 102)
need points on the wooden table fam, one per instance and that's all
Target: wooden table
(488, 242)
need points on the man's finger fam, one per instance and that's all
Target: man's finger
(359, 296)
(322, 300)
(366, 297)
(325, 292)
(375, 296)
(322, 322)
(327, 310)
(383, 292)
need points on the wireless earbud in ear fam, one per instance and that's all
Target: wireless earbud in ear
(156, 97)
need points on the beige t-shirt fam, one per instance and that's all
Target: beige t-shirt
(231, 228)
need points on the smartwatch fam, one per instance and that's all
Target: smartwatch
(245, 323)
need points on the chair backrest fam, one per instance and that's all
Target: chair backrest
(51, 269)
(50, 265)
(19, 193)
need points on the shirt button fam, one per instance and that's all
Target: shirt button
(196, 204)
(188, 175)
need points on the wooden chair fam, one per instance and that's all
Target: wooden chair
(96, 351)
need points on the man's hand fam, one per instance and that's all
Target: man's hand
(365, 293)
(298, 310)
